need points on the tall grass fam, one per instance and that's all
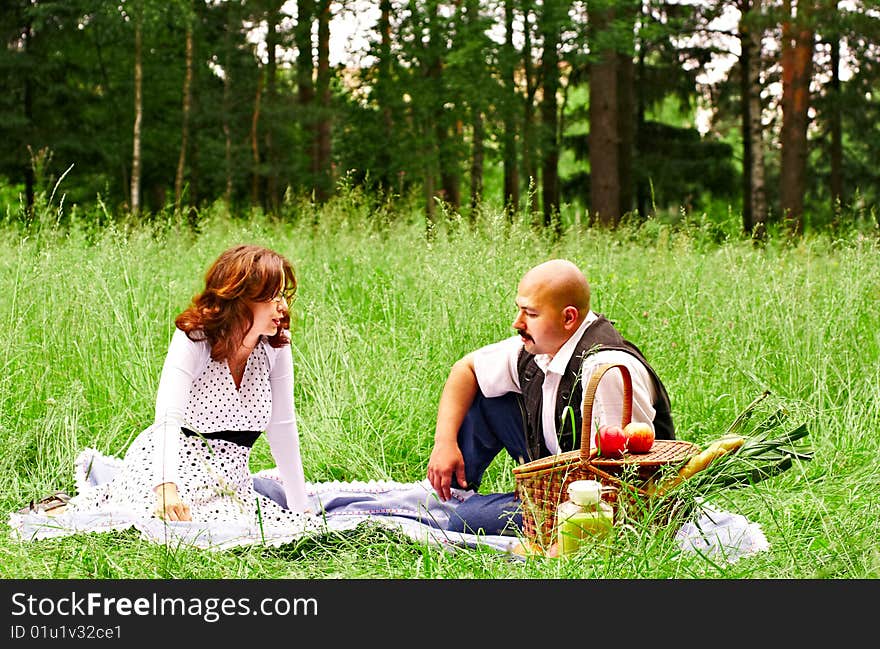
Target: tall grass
(382, 313)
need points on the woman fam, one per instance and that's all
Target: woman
(227, 377)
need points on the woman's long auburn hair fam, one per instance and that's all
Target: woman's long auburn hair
(220, 313)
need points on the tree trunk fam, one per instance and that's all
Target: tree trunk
(477, 163)
(305, 68)
(626, 115)
(446, 135)
(30, 181)
(530, 153)
(426, 118)
(626, 126)
(447, 141)
(323, 171)
(304, 61)
(272, 182)
(643, 190)
(187, 108)
(745, 66)
(604, 139)
(550, 29)
(511, 177)
(797, 68)
(138, 114)
(476, 103)
(836, 128)
(227, 93)
(193, 156)
(383, 96)
(754, 191)
(446, 144)
(428, 189)
(256, 196)
(758, 185)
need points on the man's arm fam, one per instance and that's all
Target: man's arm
(457, 396)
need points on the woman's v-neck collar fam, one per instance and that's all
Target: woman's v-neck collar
(244, 371)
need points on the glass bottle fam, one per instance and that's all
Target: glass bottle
(584, 515)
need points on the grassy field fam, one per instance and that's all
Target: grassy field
(381, 315)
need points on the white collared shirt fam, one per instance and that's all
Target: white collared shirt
(496, 370)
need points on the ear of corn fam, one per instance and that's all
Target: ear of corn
(715, 450)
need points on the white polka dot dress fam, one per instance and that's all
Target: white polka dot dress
(214, 477)
(216, 405)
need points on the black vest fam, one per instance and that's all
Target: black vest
(599, 336)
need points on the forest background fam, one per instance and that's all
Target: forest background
(759, 112)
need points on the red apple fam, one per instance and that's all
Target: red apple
(639, 437)
(612, 440)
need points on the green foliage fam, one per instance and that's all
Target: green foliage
(681, 167)
(859, 106)
(411, 116)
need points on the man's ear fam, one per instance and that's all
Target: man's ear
(570, 317)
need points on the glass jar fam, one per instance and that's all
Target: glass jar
(583, 516)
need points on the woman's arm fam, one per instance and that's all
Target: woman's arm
(282, 433)
(183, 363)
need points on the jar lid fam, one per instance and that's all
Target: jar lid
(585, 492)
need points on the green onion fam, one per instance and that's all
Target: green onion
(770, 448)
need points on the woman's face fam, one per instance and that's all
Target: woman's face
(268, 315)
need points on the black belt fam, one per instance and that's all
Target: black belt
(240, 437)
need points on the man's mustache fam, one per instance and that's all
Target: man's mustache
(522, 332)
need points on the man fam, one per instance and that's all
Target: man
(524, 394)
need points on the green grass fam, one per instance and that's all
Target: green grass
(382, 314)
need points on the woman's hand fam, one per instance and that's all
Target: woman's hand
(169, 506)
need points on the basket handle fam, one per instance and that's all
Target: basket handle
(590, 395)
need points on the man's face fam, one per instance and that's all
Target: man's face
(540, 323)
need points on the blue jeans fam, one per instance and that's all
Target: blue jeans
(491, 424)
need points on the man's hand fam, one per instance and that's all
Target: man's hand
(446, 460)
(169, 506)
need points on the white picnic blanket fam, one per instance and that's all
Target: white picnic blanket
(411, 508)
(722, 535)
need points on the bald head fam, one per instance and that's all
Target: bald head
(559, 283)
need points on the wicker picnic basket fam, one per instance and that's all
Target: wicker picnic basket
(541, 484)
